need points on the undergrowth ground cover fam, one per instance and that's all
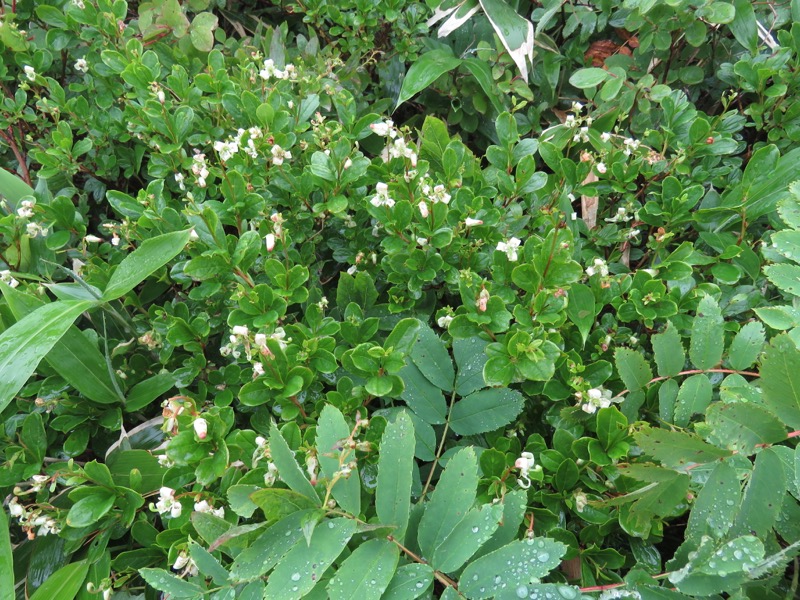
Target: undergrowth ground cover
(391, 299)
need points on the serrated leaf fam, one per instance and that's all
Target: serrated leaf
(668, 351)
(763, 497)
(153, 254)
(694, 396)
(550, 591)
(779, 379)
(706, 344)
(467, 537)
(485, 411)
(716, 506)
(207, 564)
(395, 468)
(633, 369)
(288, 469)
(269, 548)
(331, 430)
(785, 277)
(431, 357)
(301, 568)
(425, 70)
(470, 355)
(510, 567)
(746, 346)
(27, 342)
(166, 582)
(366, 573)
(421, 396)
(409, 582)
(743, 427)
(677, 449)
(451, 500)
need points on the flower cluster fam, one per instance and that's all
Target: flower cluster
(279, 155)
(510, 248)
(277, 231)
(25, 211)
(525, 463)
(396, 145)
(595, 398)
(381, 197)
(5, 277)
(599, 266)
(30, 519)
(203, 506)
(199, 169)
(167, 503)
(270, 71)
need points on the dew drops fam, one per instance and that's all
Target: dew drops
(738, 554)
(729, 502)
(295, 577)
(475, 530)
(474, 578)
(330, 525)
(567, 592)
(498, 579)
(543, 556)
(294, 588)
(418, 585)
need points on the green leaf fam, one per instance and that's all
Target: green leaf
(612, 426)
(12, 188)
(73, 357)
(633, 369)
(763, 497)
(269, 547)
(90, 509)
(451, 500)
(395, 464)
(467, 537)
(201, 31)
(784, 277)
(288, 469)
(588, 77)
(470, 355)
(331, 430)
(366, 573)
(677, 449)
(153, 254)
(207, 564)
(485, 411)
(746, 346)
(693, 398)
(6, 559)
(403, 336)
(744, 27)
(716, 505)
(64, 584)
(483, 75)
(144, 392)
(164, 581)
(425, 70)
(27, 342)
(300, 570)
(779, 379)
(432, 359)
(277, 503)
(668, 350)
(717, 12)
(514, 30)
(706, 344)
(409, 582)
(743, 427)
(511, 566)
(581, 309)
(421, 396)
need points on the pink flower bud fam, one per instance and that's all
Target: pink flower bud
(269, 239)
(201, 428)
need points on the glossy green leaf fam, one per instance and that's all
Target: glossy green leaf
(207, 564)
(633, 369)
(451, 500)
(467, 537)
(409, 582)
(746, 346)
(90, 509)
(677, 449)
(779, 379)
(277, 503)
(763, 497)
(6, 559)
(431, 357)
(716, 506)
(395, 464)
(64, 584)
(331, 430)
(785, 277)
(425, 70)
(743, 427)
(706, 344)
(288, 469)
(511, 566)
(300, 570)
(485, 411)
(694, 396)
(27, 342)
(483, 75)
(588, 77)
(366, 573)
(12, 188)
(165, 581)
(668, 350)
(73, 357)
(201, 31)
(612, 426)
(153, 254)
(581, 309)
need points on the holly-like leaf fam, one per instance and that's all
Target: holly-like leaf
(706, 344)
(668, 351)
(779, 379)
(633, 369)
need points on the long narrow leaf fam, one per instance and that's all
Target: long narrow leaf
(6, 559)
(12, 187)
(514, 31)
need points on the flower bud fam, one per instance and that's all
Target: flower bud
(201, 428)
